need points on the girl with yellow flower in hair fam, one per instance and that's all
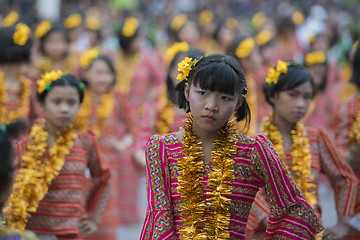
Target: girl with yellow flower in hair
(202, 179)
(107, 113)
(16, 98)
(140, 72)
(53, 51)
(47, 196)
(306, 152)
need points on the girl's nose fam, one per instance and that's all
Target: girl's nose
(212, 104)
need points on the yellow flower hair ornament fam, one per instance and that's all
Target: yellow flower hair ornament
(245, 48)
(317, 57)
(185, 67)
(258, 20)
(232, 23)
(10, 19)
(205, 17)
(21, 34)
(274, 74)
(88, 56)
(297, 17)
(263, 37)
(73, 21)
(43, 28)
(178, 22)
(92, 23)
(131, 24)
(173, 50)
(47, 79)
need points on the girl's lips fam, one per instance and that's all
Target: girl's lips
(208, 118)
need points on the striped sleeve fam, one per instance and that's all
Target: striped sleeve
(159, 223)
(341, 176)
(291, 216)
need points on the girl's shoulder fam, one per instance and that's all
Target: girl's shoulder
(85, 139)
(167, 139)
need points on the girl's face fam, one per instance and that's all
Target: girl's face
(318, 72)
(56, 45)
(99, 77)
(189, 33)
(61, 106)
(253, 62)
(291, 105)
(210, 109)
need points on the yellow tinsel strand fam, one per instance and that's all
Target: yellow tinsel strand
(301, 156)
(354, 135)
(34, 176)
(24, 100)
(103, 112)
(191, 168)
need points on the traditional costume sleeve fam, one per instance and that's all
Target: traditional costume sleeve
(100, 173)
(342, 126)
(159, 223)
(341, 176)
(291, 216)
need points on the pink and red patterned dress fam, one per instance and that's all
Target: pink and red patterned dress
(256, 165)
(63, 207)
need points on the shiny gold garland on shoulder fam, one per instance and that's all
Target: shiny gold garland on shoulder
(354, 135)
(24, 100)
(47, 66)
(125, 69)
(301, 156)
(191, 169)
(166, 119)
(103, 112)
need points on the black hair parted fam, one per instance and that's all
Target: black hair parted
(296, 75)
(53, 29)
(355, 78)
(193, 53)
(11, 52)
(108, 62)
(219, 73)
(64, 80)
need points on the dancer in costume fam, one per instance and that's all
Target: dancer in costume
(8, 132)
(347, 125)
(48, 196)
(106, 112)
(307, 152)
(16, 100)
(202, 180)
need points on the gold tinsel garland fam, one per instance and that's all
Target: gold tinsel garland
(103, 112)
(47, 66)
(166, 119)
(125, 71)
(301, 157)
(354, 135)
(34, 176)
(22, 111)
(191, 169)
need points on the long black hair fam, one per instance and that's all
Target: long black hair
(220, 73)
(355, 78)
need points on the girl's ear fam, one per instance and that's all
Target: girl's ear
(239, 102)
(186, 90)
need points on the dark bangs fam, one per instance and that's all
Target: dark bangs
(220, 77)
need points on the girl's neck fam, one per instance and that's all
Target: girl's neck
(11, 71)
(53, 133)
(283, 126)
(205, 136)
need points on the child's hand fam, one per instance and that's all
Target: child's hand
(339, 230)
(88, 227)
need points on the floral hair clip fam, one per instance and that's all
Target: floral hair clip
(131, 24)
(47, 79)
(205, 17)
(92, 23)
(88, 56)
(274, 74)
(10, 19)
(81, 86)
(178, 22)
(263, 37)
(317, 57)
(21, 34)
(73, 21)
(185, 67)
(244, 91)
(245, 48)
(43, 28)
